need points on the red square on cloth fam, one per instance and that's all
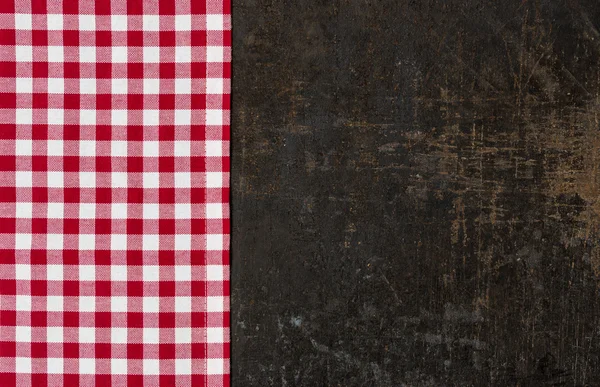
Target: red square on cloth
(114, 237)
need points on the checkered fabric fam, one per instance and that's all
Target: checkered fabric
(114, 190)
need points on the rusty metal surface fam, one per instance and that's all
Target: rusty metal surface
(416, 193)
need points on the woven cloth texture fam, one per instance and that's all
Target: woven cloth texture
(114, 192)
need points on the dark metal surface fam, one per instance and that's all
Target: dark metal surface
(416, 193)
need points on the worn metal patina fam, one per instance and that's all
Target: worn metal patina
(416, 193)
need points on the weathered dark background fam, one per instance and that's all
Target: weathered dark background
(416, 193)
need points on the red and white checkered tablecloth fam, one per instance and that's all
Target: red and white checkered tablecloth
(114, 192)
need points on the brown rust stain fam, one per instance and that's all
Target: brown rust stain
(575, 142)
